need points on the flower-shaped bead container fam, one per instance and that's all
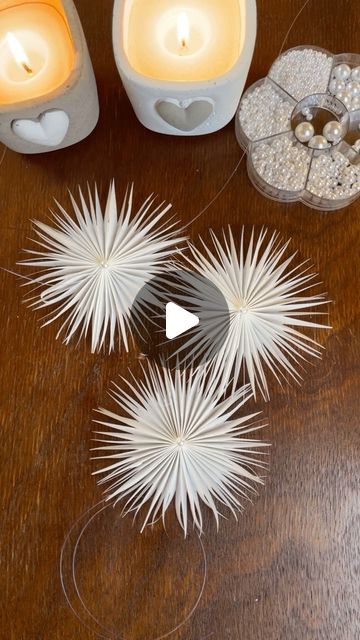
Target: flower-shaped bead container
(305, 85)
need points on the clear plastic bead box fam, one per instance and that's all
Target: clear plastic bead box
(296, 90)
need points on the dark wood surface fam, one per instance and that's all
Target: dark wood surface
(289, 569)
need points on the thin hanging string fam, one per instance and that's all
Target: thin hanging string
(292, 25)
(234, 171)
(119, 637)
(3, 155)
(217, 195)
(93, 512)
(19, 275)
(62, 569)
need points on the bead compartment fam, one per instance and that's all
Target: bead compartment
(320, 191)
(298, 158)
(269, 126)
(324, 109)
(344, 172)
(352, 60)
(309, 78)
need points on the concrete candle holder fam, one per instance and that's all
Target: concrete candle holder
(60, 114)
(184, 67)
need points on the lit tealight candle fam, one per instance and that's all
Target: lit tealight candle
(36, 52)
(184, 63)
(43, 61)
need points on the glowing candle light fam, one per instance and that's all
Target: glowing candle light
(19, 53)
(45, 70)
(183, 30)
(36, 51)
(184, 62)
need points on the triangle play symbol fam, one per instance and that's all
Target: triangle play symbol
(178, 320)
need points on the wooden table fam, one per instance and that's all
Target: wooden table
(289, 569)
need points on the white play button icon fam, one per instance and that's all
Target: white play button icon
(178, 320)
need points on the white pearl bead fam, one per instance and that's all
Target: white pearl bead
(332, 131)
(355, 74)
(345, 97)
(355, 103)
(304, 131)
(342, 72)
(353, 87)
(318, 142)
(336, 85)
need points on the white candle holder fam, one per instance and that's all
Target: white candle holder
(64, 115)
(182, 107)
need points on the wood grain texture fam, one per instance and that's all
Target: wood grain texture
(289, 569)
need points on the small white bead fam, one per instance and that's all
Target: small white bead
(336, 85)
(353, 87)
(345, 97)
(355, 103)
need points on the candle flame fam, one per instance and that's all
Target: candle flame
(183, 29)
(19, 53)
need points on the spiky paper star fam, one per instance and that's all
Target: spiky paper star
(176, 438)
(94, 267)
(268, 304)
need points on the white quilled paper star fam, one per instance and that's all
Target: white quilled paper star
(91, 268)
(269, 307)
(174, 438)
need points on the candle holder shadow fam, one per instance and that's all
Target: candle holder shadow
(64, 109)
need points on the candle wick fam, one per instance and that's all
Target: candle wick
(27, 69)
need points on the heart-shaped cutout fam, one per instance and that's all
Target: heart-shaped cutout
(185, 118)
(49, 129)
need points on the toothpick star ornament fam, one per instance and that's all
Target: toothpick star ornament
(175, 439)
(269, 307)
(91, 269)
